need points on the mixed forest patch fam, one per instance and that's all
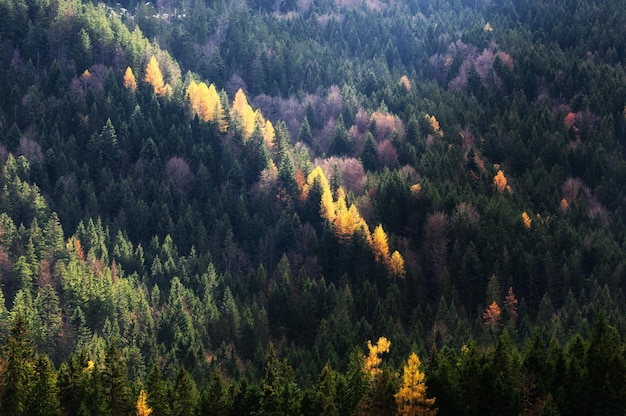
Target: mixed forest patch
(312, 207)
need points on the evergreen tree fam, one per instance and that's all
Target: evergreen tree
(19, 377)
(45, 396)
(116, 382)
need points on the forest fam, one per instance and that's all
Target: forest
(312, 207)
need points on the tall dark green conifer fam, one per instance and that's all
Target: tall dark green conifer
(19, 378)
(116, 382)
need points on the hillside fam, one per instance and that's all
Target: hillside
(312, 207)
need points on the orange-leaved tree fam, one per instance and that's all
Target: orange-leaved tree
(491, 317)
(411, 398)
(500, 181)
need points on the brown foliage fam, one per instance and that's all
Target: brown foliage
(387, 154)
(491, 316)
(177, 172)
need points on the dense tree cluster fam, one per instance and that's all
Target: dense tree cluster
(312, 207)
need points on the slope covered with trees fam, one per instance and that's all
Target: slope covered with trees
(312, 207)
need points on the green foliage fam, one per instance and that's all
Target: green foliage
(119, 261)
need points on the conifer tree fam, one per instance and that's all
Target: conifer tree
(45, 397)
(116, 381)
(19, 377)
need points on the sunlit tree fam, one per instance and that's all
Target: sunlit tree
(500, 181)
(373, 360)
(129, 79)
(411, 398)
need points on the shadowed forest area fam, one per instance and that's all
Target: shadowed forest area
(312, 207)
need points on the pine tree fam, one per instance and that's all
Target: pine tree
(186, 397)
(116, 382)
(45, 390)
(19, 377)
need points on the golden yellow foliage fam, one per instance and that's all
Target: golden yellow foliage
(526, 220)
(411, 398)
(205, 102)
(434, 124)
(373, 360)
(129, 79)
(241, 109)
(396, 265)
(142, 404)
(380, 245)
(347, 221)
(327, 207)
(269, 134)
(416, 189)
(487, 27)
(154, 77)
(500, 181)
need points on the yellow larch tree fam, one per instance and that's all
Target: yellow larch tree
(347, 220)
(434, 124)
(215, 109)
(380, 245)
(154, 77)
(396, 265)
(526, 220)
(205, 103)
(129, 79)
(411, 398)
(269, 134)
(142, 404)
(240, 108)
(327, 206)
(373, 360)
(500, 181)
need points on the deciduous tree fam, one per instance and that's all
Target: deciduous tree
(373, 360)
(411, 398)
(129, 79)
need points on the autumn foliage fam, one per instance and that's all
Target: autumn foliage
(411, 398)
(500, 181)
(491, 316)
(129, 79)
(142, 404)
(242, 110)
(154, 77)
(373, 360)
(205, 103)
